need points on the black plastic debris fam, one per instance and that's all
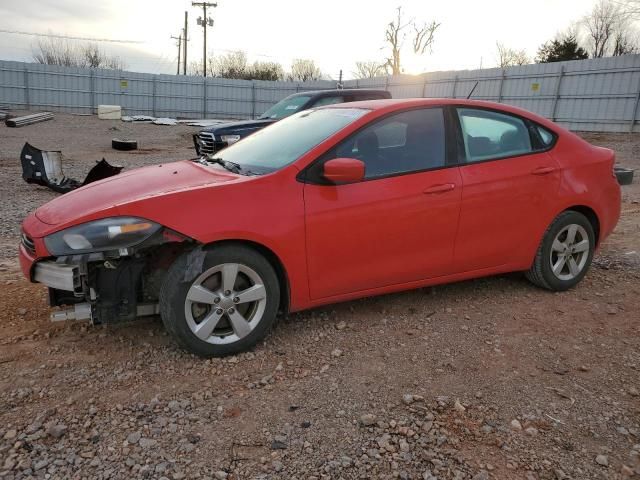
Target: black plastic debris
(45, 168)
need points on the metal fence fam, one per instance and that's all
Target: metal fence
(589, 95)
(80, 90)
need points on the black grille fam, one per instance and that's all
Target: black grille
(28, 244)
(206, 142)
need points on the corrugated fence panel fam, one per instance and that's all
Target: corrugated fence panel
(596, 94)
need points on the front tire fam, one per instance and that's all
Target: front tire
(565, 253)
(221, 301)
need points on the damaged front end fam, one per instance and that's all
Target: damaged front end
(118, 283)
(45, 168)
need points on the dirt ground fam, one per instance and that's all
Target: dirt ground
(484, 379)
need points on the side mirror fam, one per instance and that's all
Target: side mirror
(343, 170)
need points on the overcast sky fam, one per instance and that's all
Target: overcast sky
(335, 33)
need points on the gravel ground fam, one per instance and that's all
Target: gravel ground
(485, 379)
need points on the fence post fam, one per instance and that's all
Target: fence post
(455, 84)
(635, 110)
(557, 95)
(204, 97)
(27, 100)
(424, 87)
(386, 83)
(153, 95)
(92, 88)
(501, 85)
(253, 100)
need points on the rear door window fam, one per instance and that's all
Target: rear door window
(491, 135)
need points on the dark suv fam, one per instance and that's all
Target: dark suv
(212, 139)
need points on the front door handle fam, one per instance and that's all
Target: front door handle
(445, 187)
(543, 170)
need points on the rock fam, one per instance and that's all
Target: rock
(481, 475)
(277, 465)
(459, 407)
(633, 391)
(174, 405)
(341, 325)
(336, 352)
(407, 399)
(515, 425)
(404, 446)
(367, 420)
(10, 434)
(278, 445)
(147, 443)
(133, 438)
(531, 431)
(22, 311)
(626, 471)
(220, 475)
(602, 460)
(57, 431)
(39, 465)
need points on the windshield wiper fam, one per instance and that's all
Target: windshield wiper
(226, 164)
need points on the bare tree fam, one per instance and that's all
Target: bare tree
(601, 26)
(267, 71)
(58, 51)
(369, 69)
(422, 39)
(231, 65)
(509, 57)
(303, 70)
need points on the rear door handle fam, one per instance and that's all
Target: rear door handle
(543, 170)
(445, 187)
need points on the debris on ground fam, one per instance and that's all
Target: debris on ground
(28, 119)
(45, 168)
(109, 112)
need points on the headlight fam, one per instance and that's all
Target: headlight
(230, 138)
(107, 234)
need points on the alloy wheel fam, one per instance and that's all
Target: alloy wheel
(225, 303)
(569, 252)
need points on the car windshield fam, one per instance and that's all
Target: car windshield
(286, 107)
(283, 142)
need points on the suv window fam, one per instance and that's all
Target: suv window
(490, 135)
(401, 143)
(328, 101)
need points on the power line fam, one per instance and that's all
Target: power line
(70, 37)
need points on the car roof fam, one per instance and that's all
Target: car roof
(391, 105)
(328, 93)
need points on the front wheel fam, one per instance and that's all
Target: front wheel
(565, 253)
(220, 301)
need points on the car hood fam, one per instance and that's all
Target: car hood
(104, 196)
(239, 128)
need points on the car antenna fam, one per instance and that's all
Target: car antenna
(472, 90)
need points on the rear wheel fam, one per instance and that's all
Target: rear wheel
(221, 301)
(565, 253)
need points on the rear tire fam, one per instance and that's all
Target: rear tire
(221, 301)
(565, 253)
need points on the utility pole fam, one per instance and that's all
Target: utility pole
(204, 21)
(179, 38)
(184, 56)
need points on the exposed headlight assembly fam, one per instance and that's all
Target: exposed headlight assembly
(101, 235)
(230, 138)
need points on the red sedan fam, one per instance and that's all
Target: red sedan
(330, 204)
